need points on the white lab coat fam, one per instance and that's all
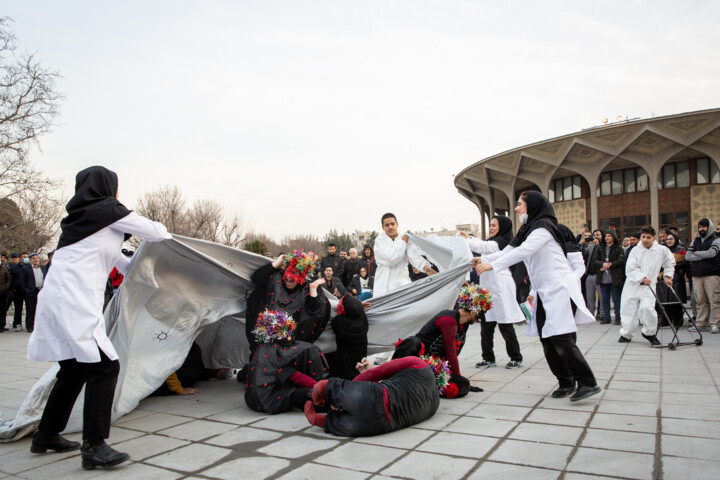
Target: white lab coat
(505, 308)
(637, 304)
(552, 279)
(392, 257)
(69, 321)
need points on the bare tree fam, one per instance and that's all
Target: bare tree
(308, 243)
(29, 105)
(165, 205)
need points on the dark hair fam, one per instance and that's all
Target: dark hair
(386, 216)
(648, 230)
(634, 234)
(410, 347)
(331, 244)
(524, 195)
(343, 250)
(4, 254)
(597, 230)
(330, 267)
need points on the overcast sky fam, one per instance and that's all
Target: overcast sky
(312, 115)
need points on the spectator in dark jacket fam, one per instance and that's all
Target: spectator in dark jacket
(368, 260)
(334, 261)
(332, 284)
(33, 277)
(609, 260)
(17, 292)
(5, 284)
(351, 267)
(362, 285)
(704, 257)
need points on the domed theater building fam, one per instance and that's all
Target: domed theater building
(659, 171)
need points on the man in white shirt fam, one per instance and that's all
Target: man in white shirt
(392, 254)
(638, 302)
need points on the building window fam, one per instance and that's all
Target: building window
(361, 237)
(576, 188)
(617, 182)
(642, 180)
(675, 175)
(563, 189)
(680, 220)
(707, 171)
(629, 186)
(605, 184)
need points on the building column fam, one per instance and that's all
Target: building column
(594, 219)
(482, 221)
(654, 205)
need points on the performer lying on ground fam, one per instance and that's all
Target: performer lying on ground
(395, 395)
(505, 311)
(351, 328)
(192, 371)
(283, 285)
(282, 371)
(541, 246)
(638, 302)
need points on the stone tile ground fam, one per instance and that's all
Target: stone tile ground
(657, 417)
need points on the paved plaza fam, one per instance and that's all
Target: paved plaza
(658, 416)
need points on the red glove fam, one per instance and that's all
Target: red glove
(318, 393)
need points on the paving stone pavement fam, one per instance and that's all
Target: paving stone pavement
(658, 416)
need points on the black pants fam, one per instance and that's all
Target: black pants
(487, 332)
(4, 304)
(18, 300)
(565, 359)
(30, 307)
(99, 379)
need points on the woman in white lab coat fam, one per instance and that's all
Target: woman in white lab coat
(559, 303)
(505, 310)
(70, 327)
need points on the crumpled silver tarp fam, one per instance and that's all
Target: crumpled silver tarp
(184, 290)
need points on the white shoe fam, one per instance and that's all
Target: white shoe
(715, 330)
(18, 328)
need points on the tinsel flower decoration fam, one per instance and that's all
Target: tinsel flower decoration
(441, 369)
(273, 325)
(298, 265)
(474, 298)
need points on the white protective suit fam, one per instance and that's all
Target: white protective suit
(501, 285)
(552, 279)
(69, 321)
(638, 302)
(392, 257)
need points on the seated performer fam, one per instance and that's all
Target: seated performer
(282, 370)
(362, 284)
(395, 395)
(192, 371)
(282, 285)
(638, 302)
(392, 254)
(332, 283)
(351, 328)
(444, 335)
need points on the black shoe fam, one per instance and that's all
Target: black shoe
(563, 392)
(584, 392)
(242, 374)
(624, 339)
(617, 322)
(42, 442)
(101, 455)
(604, 321)
(652, 339)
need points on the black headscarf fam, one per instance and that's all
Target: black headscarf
(571, 244)
(93, 207)
(350, 329)
(504, 235)
(540, 215)
(676, 245)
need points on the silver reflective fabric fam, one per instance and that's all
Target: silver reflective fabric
(186, 290)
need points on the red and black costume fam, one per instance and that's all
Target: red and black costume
(444, 337)
(395, 395)
(350, 327)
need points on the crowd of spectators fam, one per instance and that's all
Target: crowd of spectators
(21, 279)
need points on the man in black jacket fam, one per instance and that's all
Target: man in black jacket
(609, 260)
(33, 277)
(17, 291)
(334, 261)
(704, 258)
(351, 267)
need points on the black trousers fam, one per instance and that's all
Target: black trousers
(99, 379)
(18, 300)
(30, 307)
(4, 304)
(565, 359)
(487, 332)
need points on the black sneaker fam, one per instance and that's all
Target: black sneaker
(624, 339)
(485, 363)
(584, 392)
(513, 364)
(652, 339)
(563, 392)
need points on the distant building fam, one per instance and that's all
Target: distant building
(658, 171)
(359, 240)
(469, 228)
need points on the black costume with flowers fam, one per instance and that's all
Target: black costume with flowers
(441, 342)
(351, 328)
(269, 387)
(311, 314)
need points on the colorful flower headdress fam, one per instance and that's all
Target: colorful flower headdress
(441, 369)
(474, 299)
(298, 265)
(273, 325)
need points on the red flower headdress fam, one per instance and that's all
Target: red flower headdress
(298, 266)
(474, 298)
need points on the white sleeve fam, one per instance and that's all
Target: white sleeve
(389, 253)
(483, 247)
(577, 264)
(633, 271)
(414, 254)
(492, 256)
(534, 242)
(142, 227)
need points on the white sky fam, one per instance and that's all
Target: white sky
(312, 115)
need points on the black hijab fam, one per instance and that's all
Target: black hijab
(540, 215)
(350, 328)
(676, 245)
(504, 235)
(571, 244)
(93, 207)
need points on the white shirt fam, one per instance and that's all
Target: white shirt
(392, 257)
(69, 321)
(39, 277)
